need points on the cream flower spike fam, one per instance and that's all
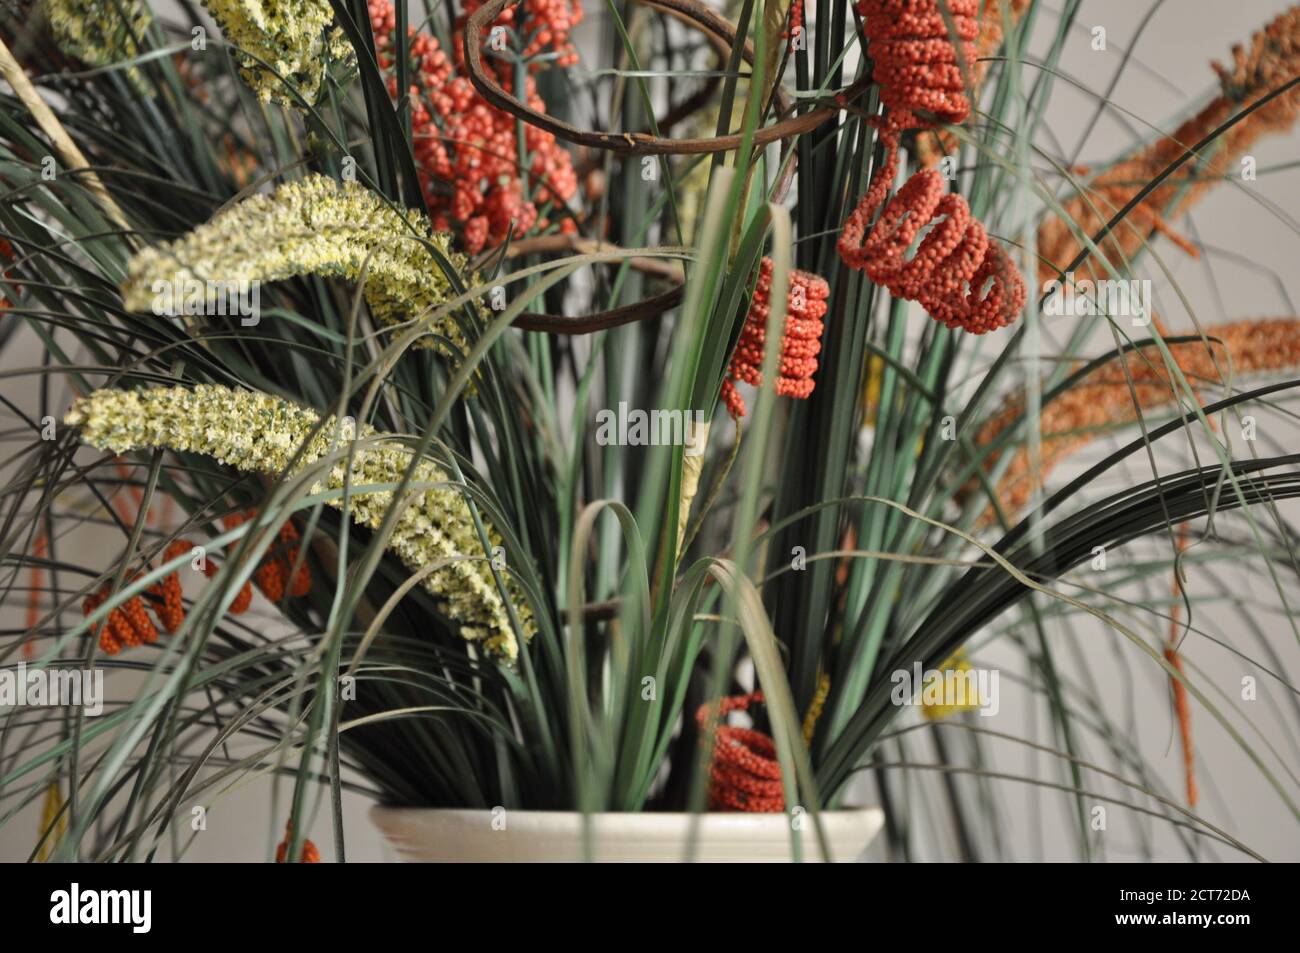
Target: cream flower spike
(294, 36)
(100, 32)
(313, 226)
(259, 433)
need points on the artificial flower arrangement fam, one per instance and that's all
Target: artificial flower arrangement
(327, 294)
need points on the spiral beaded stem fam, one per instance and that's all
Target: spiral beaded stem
(956, 273)
(800, 340)
(745, 775)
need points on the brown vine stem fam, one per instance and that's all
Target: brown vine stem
(550, 244)
(700, 98)
(635, 143)
(602, 320)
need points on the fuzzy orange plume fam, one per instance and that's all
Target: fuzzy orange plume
(1103, 399)
(310, 855)
(129, 624)
(1271, 60)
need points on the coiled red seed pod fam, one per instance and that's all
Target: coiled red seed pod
(806, 305)
(957, 274)
(744, 775)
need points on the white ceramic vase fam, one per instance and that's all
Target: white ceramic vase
(472, 836)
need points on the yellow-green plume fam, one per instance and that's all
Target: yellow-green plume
(293, 36)
(258, 433)
(100, 32)
(314, 226)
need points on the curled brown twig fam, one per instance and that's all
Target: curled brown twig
(603, 320)
(700, 98)
(636, 143)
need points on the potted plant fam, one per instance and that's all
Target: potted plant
(634, 455)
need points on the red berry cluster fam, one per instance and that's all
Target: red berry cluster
(801, 340)
(466, 150)
(796, 19)
(745, 775)
(271, 577)
(129, 624)
(916, 64)
(545, 24)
